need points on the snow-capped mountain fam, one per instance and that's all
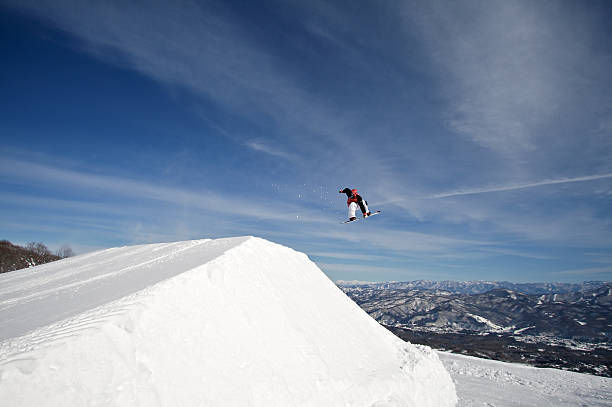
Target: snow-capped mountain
(226, 322)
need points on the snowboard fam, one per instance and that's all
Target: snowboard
(372, 214)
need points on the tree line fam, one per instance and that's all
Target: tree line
(43, 250)
(15, 257)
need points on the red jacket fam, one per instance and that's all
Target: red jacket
(353, 198)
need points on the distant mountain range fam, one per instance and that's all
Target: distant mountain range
(547, 309)
(561, 325)
(477, 287)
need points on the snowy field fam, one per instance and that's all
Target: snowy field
(226, 322)
(482, 382)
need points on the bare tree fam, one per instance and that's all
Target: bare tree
(64, 251)
(38, 248)
(41, 252)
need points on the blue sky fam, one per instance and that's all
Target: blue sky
(481, 129)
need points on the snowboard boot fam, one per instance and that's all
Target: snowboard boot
(352, 219)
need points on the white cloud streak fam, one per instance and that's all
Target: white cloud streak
(29, 173)
(519, 186)
(262, 146)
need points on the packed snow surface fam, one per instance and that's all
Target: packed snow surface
(482, 382)
(226, 322)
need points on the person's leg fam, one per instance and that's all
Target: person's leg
(364, 208)
(351, 209)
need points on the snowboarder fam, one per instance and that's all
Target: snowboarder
(354, 201)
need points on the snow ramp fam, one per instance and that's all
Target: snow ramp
(226, 322)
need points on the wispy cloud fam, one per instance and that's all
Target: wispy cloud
(502, 188)
(358, 269)
(588, 271)
(30, 173)
(138, 193)
(262, 146)
(513, 71)
(338, 271)
(198, 47)
(347, 256)
(204, 48)
(77, 205)
(403, 241)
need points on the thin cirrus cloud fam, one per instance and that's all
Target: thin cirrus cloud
(345, 255)
(31, 173)
(311, 225)
(199, 48)
(402, 241)
(196, 47)
(366, 269)
(263, 147)
(509, 83)
(587, 271)
(502, 188)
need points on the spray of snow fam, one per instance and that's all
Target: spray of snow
(227, 322)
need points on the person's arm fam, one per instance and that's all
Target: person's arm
(346, 191)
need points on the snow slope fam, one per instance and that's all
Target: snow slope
(482, 382)
(226, 322)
